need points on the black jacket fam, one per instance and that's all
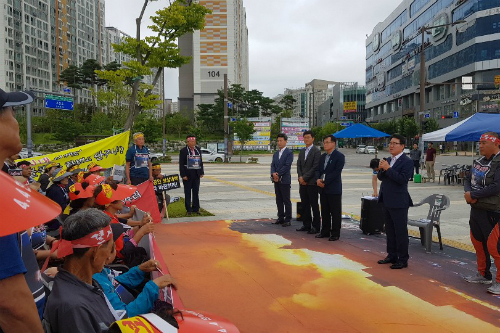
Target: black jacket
(183, 170)
(332, 172)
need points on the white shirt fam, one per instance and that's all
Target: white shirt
(395, 158)
(281, 152)
(307, 151)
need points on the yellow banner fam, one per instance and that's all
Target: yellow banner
(106, 152)
(350, 106)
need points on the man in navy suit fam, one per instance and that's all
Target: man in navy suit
(394, 174)
(282, 179)
(191, 170)
(329, 180)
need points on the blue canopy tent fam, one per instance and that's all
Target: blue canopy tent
(359, 131)
(469, 129)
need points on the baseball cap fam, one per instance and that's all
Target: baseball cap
(93, 167)
(25, 206)
(15, 98)
(60, 175)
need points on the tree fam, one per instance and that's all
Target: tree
(431, 125)
(178, 123)
(244, 129)
(72, 76)
(288, 102)
(161, 49)
(408, 127)
(149, 125)
(66, 129)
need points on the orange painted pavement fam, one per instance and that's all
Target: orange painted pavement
(264, 279)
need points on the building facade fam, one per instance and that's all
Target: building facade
(39, 39)
(220, 48)
(347, 104)
(470, 49)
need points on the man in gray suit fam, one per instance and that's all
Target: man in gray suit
(308, 190)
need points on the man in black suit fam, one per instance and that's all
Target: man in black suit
(191, 170)
(306, 169)
(394, 174)
(282, 179)
(329, 180)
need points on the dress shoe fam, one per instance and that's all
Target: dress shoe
(333, 238)
(286, 224)
(321, 236)
(188, 213)
(197, 213)
(399, 265)
(278, 222)
(312, 231)
(303, 229)
(386, 260)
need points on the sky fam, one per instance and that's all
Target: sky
(290, 42)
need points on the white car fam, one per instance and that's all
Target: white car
(360, 149)
(155, 156)
(406, 151)
(211, 156)
(24, 153)
(370, 150)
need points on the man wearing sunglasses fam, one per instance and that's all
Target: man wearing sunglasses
(394, 174)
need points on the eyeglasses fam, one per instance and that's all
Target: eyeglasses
(394, 143)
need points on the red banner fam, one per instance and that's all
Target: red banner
(145, 199)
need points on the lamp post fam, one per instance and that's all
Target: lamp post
(423, 30)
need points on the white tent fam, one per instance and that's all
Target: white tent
(440, 135)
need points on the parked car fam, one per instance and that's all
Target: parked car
(360, 149)
(370, 150)
(211, 156)
(406, 151)
(24, 153)
(155, 156)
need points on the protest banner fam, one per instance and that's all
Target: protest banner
(106, 152)
(168, 182)
(145, 199)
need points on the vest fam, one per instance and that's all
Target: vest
(482, 176)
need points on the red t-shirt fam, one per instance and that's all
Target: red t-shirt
(119, 241)
(430, 154)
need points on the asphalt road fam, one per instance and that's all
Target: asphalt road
(244, 191)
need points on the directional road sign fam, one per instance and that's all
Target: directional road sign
(455, 114)
(346, 124)
(427, 115)
(343, 117)
(58, 102)
(229, 105)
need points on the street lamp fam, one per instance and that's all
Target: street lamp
(424, 30)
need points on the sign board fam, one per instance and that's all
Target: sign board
(497, 80)
(342, 117)
(427, 115)
(455, 114)
(168, 182)
(58, 102)
(294, 129)
(350, 107)
(261, 138)
(346, 124)
(229, 105)
(467, 83)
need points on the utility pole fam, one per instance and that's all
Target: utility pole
(226, 122)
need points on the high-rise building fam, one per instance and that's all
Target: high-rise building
(220, 48)
(39, 39)
(469, 49)
(347, 104)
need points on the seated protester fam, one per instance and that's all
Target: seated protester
(374, 166)
(48, 173)
(75, 170)
(112, 284)
(108, 198)
(81, 196)
(95, 169)
(9, 163)
(58, 192)
(40, 241)
(159, 193)
(77, 302)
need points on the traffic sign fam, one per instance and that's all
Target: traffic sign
(455, 114)
(427, 115)
(58, 102)
(229, 105)
(343, 118)
(346, 124)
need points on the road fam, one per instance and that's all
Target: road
(244, 191)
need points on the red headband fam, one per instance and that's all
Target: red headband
(65, 247)
(487, 137)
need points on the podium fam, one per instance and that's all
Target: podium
(372, 216)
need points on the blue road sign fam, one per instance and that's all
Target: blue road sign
(58, 102)
(230, 105)
(427, 115)
(67, 90)
(346, 124)
(455, 114)
(343, 117)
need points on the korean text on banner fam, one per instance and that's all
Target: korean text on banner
(106, 153)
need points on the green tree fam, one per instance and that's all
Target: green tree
(161, 48)
(72, 76)
(101, 123)
(408, 127)
(244, 129)
(178, 123)
(431, 125)
(66, 129)
(149, 125)
(288, 102)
